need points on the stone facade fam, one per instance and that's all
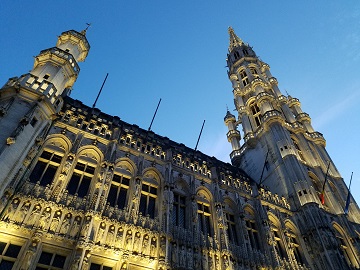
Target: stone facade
(81, 189)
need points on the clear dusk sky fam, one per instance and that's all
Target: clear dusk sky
(176, 50)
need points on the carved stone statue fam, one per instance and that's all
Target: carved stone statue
(182, 257)
(145, 245)
(75, 227)
(64, 229)
(101, 232)
(136, 245)
(128, 240)
(110, 235)
(44, 220)
(55, 222)
(86, 226)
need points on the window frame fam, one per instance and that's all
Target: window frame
(82, 174)
(119, 187)
(47, 163)
(148, 196)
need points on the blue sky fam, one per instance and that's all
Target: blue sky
(176, 50)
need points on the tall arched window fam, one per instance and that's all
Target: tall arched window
(255, 110)
(244, 77)
(179, 210)
(251, 227)
(204, 214)
(294, 244)
(118, 192)
(81, 178)
(231, 225)
(279, 244)
(346, 246)
(149, 194)
(46, 166)
(254, 72)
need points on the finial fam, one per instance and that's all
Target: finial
(83, 32)
(235, 41)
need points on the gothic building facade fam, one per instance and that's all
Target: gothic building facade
(81, 189)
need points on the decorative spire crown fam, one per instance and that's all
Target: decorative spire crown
(235, 41)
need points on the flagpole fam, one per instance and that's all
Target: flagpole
(107, 74)
(199, 135)
(154, 115)
(347, 204)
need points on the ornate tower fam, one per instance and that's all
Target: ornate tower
(29, 103)
(281, 150)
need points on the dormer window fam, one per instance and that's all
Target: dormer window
(67, 50)
(245, 52)
(46, 76)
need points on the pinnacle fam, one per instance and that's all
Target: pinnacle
(235, 41)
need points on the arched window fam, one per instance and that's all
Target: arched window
(254, 72)
(244, 77)
(294, 244)
(46, 166)
(279, 244)
(255, 110)
(179, 210)
(345, 246)
(204, 213)
(118, 192)
(231, 225)
(148, 200)
(149, 194)
(204, 216)
(251, 227)
(81, 178)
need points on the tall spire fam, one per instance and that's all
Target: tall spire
(235, 41)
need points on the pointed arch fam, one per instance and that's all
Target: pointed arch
(180, 215)
(150, 192)
(85, 166)
(345, 245)
(60, 141)
(152, 173)
(275, 227)
(126, 165)
(124, 172)
(205, 211)
(53, 151)
(90, 151)
(292, 232)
